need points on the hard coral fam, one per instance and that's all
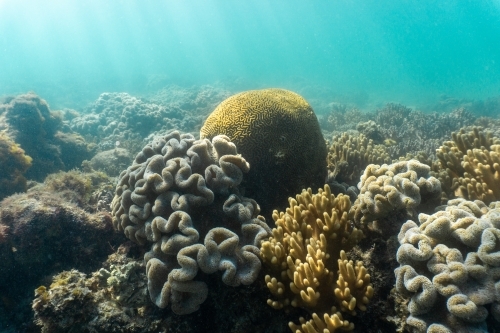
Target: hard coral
(13, 165)
(450, 266)
(307, 264)
(278, 133)
(180, 190)
(29, 121)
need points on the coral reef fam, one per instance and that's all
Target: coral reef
(13, 165)
(178, 191)
(469, 165)
(349, 155)
(343, 118)
(450, 268)
(120, 117)
(398, 187)
(42, 226)
(112, 161)
(278, 133)
(414, 131)
(115, 299)
(28, 120)
(112, 299)
(307, 263)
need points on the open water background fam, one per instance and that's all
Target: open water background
(363, 52)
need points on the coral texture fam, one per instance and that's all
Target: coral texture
(469, 165)
(40, 228)
(129, 120)
(113, 299)
(450, 267)
(13, 165)
(178, 191)
(29, 121)
(278, 133)
(349, 155)
(307, 264)
(401, 186)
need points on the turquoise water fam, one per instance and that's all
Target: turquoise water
(407, 51)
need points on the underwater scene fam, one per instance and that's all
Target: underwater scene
(321, 166)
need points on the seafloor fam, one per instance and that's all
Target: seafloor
(67, 266)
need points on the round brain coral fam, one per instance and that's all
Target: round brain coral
(278, 133)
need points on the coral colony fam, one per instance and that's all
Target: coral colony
(377, 221)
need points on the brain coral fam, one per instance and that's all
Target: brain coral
(277, 131)
(180, 195)
(450, 268)
(307, 263)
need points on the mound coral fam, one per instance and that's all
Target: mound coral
(29, 121)
(278, 133)
(447, 292)
(13, 165)
(349, 155)
(469, 165)
(398, 187)
(307, 263)
(178, 191)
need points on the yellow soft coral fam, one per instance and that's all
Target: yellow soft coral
(469, 166)
(307, 263)
(349, 155)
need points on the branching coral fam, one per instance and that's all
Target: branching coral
(469, 166)
(348, 156)
(178, 191)
(307, 263)
(449, 293)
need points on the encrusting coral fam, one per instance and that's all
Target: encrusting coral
(469, 165)
(348, 156)
(178, 191)
(307, 264)
(278, 133)
(13, 164)
(28, 121)
(450, 268)
(397, 187)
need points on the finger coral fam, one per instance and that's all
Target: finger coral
(180, 196)
(469, 165)
(307, 263)
(348, 156)
(278, 133)
(401, 186)
(450, 267)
